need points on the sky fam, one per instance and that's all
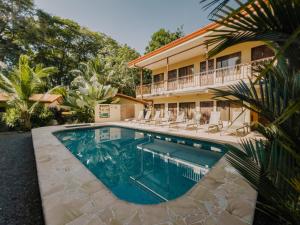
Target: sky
(130, 22)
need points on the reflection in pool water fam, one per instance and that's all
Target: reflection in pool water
(142, 167)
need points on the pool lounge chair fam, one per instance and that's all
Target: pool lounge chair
(156, 119)
(237, 124)
(146, 118)
(179, 120)
(194, 122)
(139, 118)
(165, 120)
(214, 122)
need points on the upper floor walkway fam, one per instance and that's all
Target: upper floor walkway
(215, 78)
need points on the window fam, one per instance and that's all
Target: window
(210, 63)
(229, 60)
(172, 107)
(186, 71)
(172, 74)
(205, 109)
(158, 77)
(161, 108)
(261, 52)
(188, 108)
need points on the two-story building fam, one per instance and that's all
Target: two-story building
(182, 74)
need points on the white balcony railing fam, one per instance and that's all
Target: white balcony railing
(216, 77)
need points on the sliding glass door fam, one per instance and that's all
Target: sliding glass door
(206, 107)
(188, 108)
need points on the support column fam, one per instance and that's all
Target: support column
(197, 106)
(215, 106)
(206, 59)
(141, 83)
(166, 107)
(166, 76)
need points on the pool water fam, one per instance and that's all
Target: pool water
(142, 167)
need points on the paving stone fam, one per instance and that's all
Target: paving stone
(73, 195)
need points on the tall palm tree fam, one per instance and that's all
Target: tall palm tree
(271, 166)
(21, 83)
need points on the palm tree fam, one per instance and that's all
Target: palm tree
(271, 166)
(87, 91)
(92, 68)
(20, 84)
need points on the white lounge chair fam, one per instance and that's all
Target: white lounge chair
(214, 121)
(165, 119)
(156, 118)
(146, 118)
(139, 118)
(179, 120)
(194, 122)
(237, 124)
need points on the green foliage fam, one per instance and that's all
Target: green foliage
(11, 117)
(110, 70)
(163, 37)
(42, 116)
(278, 24)
(271, 165)
(20, 84)
(54, 41)
(86, 92)
(13, 24)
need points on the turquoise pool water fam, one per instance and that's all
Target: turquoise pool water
(142, 167)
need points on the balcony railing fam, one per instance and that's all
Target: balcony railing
(208, 78)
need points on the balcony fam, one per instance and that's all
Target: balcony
(213, 78)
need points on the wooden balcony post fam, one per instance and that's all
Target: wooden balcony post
(177, 82)
(206, 63)
(141, 83)
(166, 78)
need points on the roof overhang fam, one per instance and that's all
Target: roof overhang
(183, 48)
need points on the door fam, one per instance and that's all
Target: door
(227, 68)
(188, 108)
(172, 80)
(172, 107)
(161, 108)
(206, 72)
(206, 107)
(224, 108)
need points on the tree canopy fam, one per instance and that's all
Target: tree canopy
(62, 43)
(163, 37)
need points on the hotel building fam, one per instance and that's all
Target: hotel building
(182, 74)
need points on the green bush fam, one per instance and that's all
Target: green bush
(12, 117)
(42, 116)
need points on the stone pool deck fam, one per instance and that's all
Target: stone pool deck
(72, 195)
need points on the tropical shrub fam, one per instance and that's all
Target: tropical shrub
(270, 165)
(42, 116)
(11, 117)
(86, 92)
(20, 83)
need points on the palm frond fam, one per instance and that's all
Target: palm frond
(271, 21)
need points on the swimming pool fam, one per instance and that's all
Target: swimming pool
(139, 166)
